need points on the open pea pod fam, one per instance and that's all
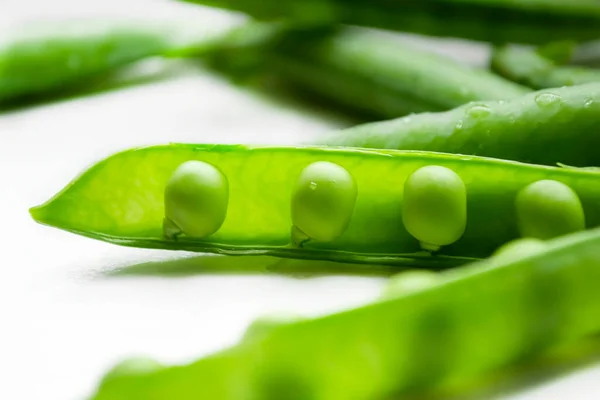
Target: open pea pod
(474, 320)
(127, 208)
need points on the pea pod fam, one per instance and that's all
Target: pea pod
(545, 127)
(127, 209)
(476, 320)
(368, 72)
(519, 248)
(528, 67)
(497, 21)
(586, 54)
(68, 54)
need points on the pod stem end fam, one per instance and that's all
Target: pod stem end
(299, 238)
(170, 230)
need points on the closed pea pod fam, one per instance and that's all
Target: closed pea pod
(409, 282)
(547, 209)
(263, 325)
(322, 202)
(435, 206)
(519, 248)
(196, 199)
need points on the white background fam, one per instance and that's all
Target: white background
(65, 315)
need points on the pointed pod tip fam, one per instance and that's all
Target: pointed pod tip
(37, 213)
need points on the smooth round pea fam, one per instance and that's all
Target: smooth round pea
(408, 282)
(323, 201)
(518, 249)
(546, 209)
(196, 199)
(434, 208)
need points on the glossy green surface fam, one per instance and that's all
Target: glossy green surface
(477, 319)
(323, 201)
(196, 199)
(528, 67)
(519, 248)
(544, 127)
(127, 209)
(70, 54)
(409, 281)
(547, 208)
(434, 207)
(499, 21)
(374, 73)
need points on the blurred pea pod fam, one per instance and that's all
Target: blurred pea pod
(63, 56)
(497, 21)
(536, 69)
(374, 74)
(469, 322)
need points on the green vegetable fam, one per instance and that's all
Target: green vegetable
(499, 21)
(544, 127)
(131, 367)
(262, 326)
(196, 198)
(587, 54)
(128, 209)
(519, 248)
(548, 208)
(375, 74)
(528, 67)
(410, 281)
(71, 54)
(434, 209)
(322, 203)
(480, 318)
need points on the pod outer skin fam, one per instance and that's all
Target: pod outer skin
(529, 67)
(498, 21)
(372, 75)
(58, 59)
(429, 338)
(550, 126)
(127, 209)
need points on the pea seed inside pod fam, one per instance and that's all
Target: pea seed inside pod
(322, 202)
(434, 209)
(547, 208)
(196, 198)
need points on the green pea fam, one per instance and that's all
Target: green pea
(518, 249)
(435, 206)
(547, 209)
(408, 282)
(322, 202)
(196, 199)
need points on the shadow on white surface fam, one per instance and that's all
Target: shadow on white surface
(249, 265)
